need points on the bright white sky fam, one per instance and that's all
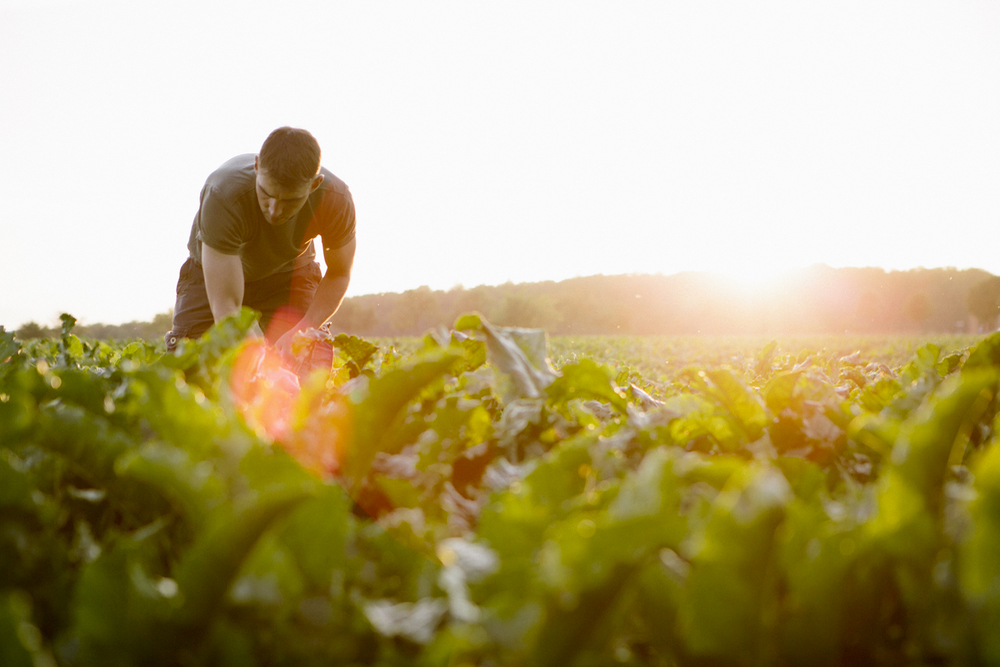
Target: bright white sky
(487, 142)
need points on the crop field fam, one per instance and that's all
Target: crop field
(488, 496)
(658, 361)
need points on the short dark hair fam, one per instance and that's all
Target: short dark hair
(290, 156)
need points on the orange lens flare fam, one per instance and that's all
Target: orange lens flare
(263, 389)
(307, 420)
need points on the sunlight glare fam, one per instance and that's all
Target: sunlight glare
(296, 411)
(755, 279)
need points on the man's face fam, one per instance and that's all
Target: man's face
(280, 203)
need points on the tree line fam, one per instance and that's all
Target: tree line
(151, 331)
(815, 300)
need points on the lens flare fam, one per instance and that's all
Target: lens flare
(263, 389)
(309, 420)
(320, 427)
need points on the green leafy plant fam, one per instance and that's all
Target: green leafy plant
(480, 500)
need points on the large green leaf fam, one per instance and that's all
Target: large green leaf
(379, 410)
(317, 534)
(910, 491)
(358, 350)
(179, 412)
(209, 566)
(743, 403)
(193, 484)
(939, 431)
(122, 605)
(202, 359)
(816, 554)
(520, 354)
(979, 571)
(985, 354)
(569, 630)
(89, 441)
(728, 590)
(586, 380)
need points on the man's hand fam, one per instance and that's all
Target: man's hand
(284, 344)
(329, 294)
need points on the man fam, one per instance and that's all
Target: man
(251, 243)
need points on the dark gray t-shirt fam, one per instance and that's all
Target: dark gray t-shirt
(230, 221)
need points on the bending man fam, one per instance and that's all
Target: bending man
(251, 242)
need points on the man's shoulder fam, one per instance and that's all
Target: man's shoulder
(234, 177)
(332, 183)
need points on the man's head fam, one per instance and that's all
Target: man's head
(287, 169)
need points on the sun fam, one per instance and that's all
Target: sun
(754, 279)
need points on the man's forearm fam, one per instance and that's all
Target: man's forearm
(223, 282)
(329, 295)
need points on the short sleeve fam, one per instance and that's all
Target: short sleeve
(218, 225)
(335, 218)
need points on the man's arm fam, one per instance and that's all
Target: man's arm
(333, 286)
(224, 284)
(329, 293)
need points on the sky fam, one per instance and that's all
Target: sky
(486, 142)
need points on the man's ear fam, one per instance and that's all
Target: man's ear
(256, 163)
(316, 182)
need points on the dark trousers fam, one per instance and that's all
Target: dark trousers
(281, 299)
